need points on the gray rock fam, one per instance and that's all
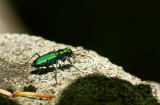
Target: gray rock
(16, 49)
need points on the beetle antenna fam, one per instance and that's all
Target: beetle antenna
(81, 54)
(78, 50)
(85, 56)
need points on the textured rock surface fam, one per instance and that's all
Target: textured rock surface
(16, 49)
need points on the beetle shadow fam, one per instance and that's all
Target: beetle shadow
(41, 71)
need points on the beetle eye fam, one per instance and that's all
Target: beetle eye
(69, 51)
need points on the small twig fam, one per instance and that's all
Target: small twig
(32, 94)
(5, 93)
(9, 94)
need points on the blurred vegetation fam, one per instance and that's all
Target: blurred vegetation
(97, 89)
(30, 88)
(7, 101)
(10, 89)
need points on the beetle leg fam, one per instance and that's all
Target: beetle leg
(54, 51)
(56, 71)
(47, 63)
(38, 54)
(74, 57)
(73, 65)
(63, 59)
(32, 57)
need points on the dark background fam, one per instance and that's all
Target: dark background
(126, 32)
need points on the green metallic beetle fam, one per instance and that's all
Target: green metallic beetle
(53, 57)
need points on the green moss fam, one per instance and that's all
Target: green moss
(97, 89)
(7, 101)
(30, 88)
(10, 89)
